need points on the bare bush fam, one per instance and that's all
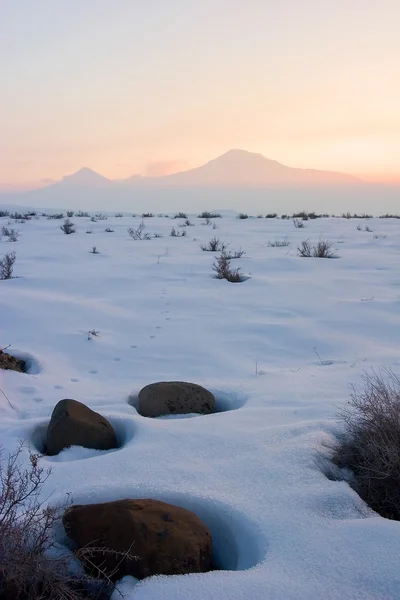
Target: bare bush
(80, 213)
(305, 250)
(323, 249)
(279, 243)
(139, 233)
(180, 215)
(70, 214)
(109, 230)
(119, 215)
(223, 269)
(371, 445)
(11, 234)
(234, 254)
(31, 566)
(93, 333)
(147, 215)
(209, 215)
(176, 233)
(243, 216)
(7, 265)
(299, 224)
(271, 215)
(94, 250)
(214, 245)
(56, 216)
(68, 227)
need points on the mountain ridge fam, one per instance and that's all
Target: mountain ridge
(233, 168)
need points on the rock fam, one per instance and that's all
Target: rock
(11, 363)
(174, 398)
(74, 424)
(161, 539)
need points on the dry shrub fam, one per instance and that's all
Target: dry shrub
(223, 269)
(323, 249)
(32, 565)
(214, 245)
(371, 445)
(7, 265)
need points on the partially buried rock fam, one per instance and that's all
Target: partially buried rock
(175, 398)
(74, 424)
(156, 538)
(11, 363)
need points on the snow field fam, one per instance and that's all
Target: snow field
(278, 350)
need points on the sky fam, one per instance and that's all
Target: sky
(126, 86)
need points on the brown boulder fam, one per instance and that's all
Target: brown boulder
(161, 539)
(11, 363)
(175, 398)
(74, 424)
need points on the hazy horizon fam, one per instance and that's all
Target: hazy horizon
(164, 87)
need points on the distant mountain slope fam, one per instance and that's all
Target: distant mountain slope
(238, 167)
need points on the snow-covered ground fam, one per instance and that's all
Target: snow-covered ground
(279, 350)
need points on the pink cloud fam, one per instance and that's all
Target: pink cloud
(164, 167)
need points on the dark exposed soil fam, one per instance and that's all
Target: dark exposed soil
(12, 363)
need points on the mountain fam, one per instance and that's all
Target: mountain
(224, 181)
(85, 177)
(242, 168)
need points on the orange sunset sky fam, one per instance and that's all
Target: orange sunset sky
(159, 86)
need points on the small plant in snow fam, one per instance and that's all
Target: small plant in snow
(157, 235)
(147, 215)
(234, 254)
(70, 213)
(81, 214)
(100, 217)
(89, 231)
(214, 245)
(56, 216)
(271, 216)
(323, 249)
(368, 229)
(279, 243)
(180, 215)
(11, 234)
(223, 270)
(176, 233)
(7, 265)
(119, 215)
(139, 233)
(298, 223)
(359, 228)
(94, 250)
(109, 230)
(243, 216)
(209, 215)
(68, 227)
(93, 333)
